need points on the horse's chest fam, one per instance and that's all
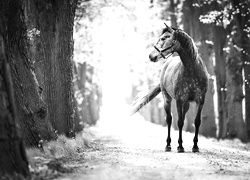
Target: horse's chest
(181, 84)
(190, 90)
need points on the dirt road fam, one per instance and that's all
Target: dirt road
(134, 149)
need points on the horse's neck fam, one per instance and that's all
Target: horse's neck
(188, 58)
(187, 49)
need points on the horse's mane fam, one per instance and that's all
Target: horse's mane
(185, 41)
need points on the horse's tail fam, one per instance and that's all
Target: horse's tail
(139, 103)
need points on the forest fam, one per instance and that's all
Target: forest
(66, 65)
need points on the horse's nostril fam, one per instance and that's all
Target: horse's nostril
(152, 58)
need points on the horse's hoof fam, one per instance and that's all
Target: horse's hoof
(195, 150)
(180, 149)
(168, 148)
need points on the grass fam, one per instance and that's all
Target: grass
(57, 155)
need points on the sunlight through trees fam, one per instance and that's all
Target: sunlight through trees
(75, 62)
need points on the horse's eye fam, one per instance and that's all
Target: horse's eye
(163, 38)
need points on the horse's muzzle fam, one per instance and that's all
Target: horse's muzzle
(152, 58)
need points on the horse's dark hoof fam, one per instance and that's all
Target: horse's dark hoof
(168, 148)
(195, 150)
(180, 149)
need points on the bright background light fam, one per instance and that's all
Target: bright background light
(121, 40)
(122, 43)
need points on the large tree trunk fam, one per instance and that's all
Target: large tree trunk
(13, 159)
(53, 52)
(31, 110)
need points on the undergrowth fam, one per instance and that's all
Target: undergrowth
(59, 156)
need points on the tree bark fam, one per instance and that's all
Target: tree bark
(81, 73)
(219, 39)
(208, 127)
(244, 43)
(235, 124)
(53, 52)
(13, 161)
(245, 54)
(172, 9)
(31, 110)
(246, 66)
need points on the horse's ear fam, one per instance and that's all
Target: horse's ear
(169, 29)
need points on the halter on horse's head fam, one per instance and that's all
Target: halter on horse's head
(165, 46)
(174, 40)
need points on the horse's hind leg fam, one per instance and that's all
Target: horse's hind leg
(167, 107)
(197, 123)
(182, 108)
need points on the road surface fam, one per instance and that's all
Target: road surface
(134, 149)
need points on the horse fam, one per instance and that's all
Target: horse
(183, 78)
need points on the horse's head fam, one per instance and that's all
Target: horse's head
(165, 45)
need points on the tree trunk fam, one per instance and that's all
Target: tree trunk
(235, 125)
(208, 127)
(219, 39)
(31, 110)
(77, 121)
(245, 54)
(173, 18)
(53, 52)
(81, 85)
(242, 23)
(246, 66)
(186, 16)
(13, 161)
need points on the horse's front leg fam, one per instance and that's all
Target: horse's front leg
(197, 123)
(182, 108)
(167, 107)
